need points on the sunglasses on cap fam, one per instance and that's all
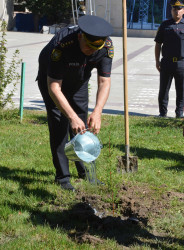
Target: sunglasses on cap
(177, 7)
(96, 45)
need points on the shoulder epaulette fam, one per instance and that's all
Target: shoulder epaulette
(65, 44)
(108, 43)
(73, 26)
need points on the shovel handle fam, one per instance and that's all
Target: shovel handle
(124, 18)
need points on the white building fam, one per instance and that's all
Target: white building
(7, 12)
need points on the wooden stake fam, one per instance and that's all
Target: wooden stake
(124, 19)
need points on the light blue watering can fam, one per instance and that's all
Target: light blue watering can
(83, 147)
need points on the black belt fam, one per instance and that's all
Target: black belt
(173, 59)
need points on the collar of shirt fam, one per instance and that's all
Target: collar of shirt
(181, 21)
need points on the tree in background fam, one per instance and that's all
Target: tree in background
(56, 11)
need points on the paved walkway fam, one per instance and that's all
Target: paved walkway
(143, 78)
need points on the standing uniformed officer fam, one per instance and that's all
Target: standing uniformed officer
(65, 66)
(170, 39)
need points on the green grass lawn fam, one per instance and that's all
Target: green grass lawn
(141, 210)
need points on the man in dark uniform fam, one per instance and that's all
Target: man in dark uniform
(170, 39)
(65, 66)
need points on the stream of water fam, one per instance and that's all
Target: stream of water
(90, 169)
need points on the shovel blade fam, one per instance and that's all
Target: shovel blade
(123, 166)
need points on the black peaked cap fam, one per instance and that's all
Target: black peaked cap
(95, 26)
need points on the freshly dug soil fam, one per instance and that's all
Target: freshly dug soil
(128, 220)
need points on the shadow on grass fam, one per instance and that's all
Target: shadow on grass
(161, 123)
(26, 177)
(177, 167)
(145, 153)
(82, 225)
(80, 222)
(40, 119)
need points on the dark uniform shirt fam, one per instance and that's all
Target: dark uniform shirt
(62, 59)
(171, 35)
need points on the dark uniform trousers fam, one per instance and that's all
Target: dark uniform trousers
(170, 70)
(59, 130)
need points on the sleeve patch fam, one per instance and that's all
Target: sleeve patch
(56, 55)
(111, 52)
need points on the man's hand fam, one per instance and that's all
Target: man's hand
(94, 122)
(76, 124)
(158, 66)
(157, 55)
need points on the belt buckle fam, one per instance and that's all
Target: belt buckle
(175, 59)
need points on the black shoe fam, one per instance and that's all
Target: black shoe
(65, 183)
(162, 115)
(59, 180)
(67, 186)
(179, 116)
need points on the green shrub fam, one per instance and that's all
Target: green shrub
(9, 77)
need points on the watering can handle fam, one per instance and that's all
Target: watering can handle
(83, 130)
